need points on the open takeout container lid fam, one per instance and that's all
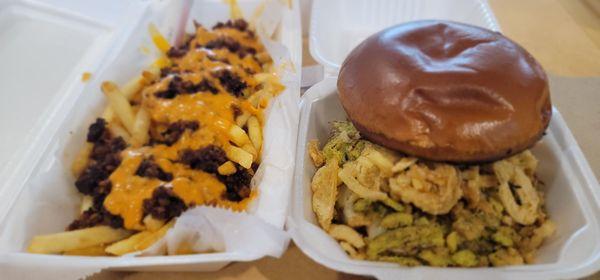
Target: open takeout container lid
(47, 47)
(337, 26)
(573, 197)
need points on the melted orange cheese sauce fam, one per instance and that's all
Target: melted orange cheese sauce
(86, 76)
(213, 113)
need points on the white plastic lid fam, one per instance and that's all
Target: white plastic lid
(337, 26)
(45, 51)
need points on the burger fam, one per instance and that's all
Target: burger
(445, 91)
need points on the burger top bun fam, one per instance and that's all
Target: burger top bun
(445, 91)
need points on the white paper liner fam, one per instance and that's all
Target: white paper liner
(209, 229)
(256, 234)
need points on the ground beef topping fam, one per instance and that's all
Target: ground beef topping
(231, 45)
(104, 158)
(180, 51)
(149, 169)
(176, 52)
(179, 86)
(206, 85)
(231, 82)
(97, 131)
(97, 214)
(237, 184)
(164, 204)
(176, 86)
(166, 71)
(174, 131)
(238, 24)
(207, 159)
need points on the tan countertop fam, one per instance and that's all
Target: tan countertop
(564, 35)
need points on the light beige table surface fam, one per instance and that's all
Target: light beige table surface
(564, 35)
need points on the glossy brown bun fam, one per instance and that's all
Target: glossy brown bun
(445, 91)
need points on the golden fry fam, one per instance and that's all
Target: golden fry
(133, 86)
(108, 114)
(242, 119)
(86, 203)
(89, 251)
(250, 149)
(159, 40)
(120, 105)
(76, 239)
(81, 160)
(255, 133)
(238, 136)
(155, 236)
(128, 245)
(141, 128)
(152, 224)
(118, 131)
(240, 156)
(139, 241)
(227, 168)
(151, 74)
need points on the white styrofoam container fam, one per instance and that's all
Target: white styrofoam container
(572, 200)
(47, 45)
(573, 193)
(337, 26)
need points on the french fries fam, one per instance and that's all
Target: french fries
(226, 168)
(86, 203)
(161, 116)
(238, 136)
(242, 119)
(151, 239)
(138, 241)
(159, 40)
(108, 114)
(152, 224)
(133, 86)
(250, 149)
(141, 127)
(128, 245)
(118, 131)
(77, 239)
(81, 160)
(234, 9)
(254, 132)
(89, 251)
(240, 156)
(120, 105)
